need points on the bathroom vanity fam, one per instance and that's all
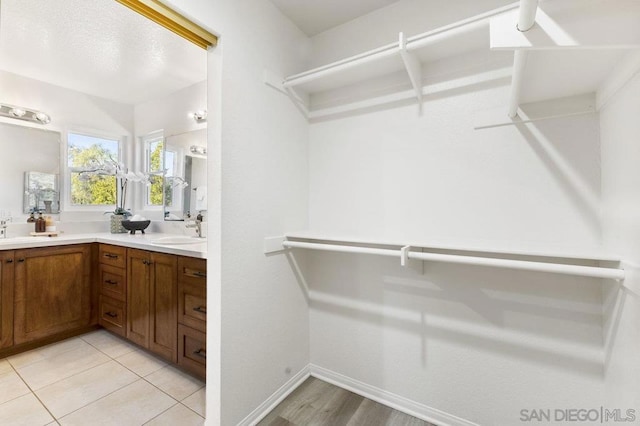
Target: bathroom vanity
(149, 294)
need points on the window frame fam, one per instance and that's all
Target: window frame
(68, 170)
(147, 140)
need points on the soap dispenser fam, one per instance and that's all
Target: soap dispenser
(41, 224)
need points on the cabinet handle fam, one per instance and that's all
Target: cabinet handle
(111, 314)
(194, 273)
(21, 260)
(201, 309)
(111, 282)
(147, 262)
(9, 260)
(111, 256)
(201, 353)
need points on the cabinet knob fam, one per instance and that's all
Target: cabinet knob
(21, 260)
(9, 260)
(201, 309)
(111, 314)
(111, 282)
(111, 256)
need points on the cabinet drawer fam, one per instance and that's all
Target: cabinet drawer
(112, 315)
(192, 270)
(113, 255)
(192, 350)
(192, 305)
(113, 282)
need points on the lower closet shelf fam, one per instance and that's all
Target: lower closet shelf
(533, 261)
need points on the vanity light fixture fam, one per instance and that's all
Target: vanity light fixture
(200, 116)
(26, 114)
(196, 149)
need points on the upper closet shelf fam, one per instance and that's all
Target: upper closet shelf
(403, 70)
(408, 54)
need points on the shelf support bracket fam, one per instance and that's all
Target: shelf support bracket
(413, 67)
(297, 101)
(404, 255)
(275, 82)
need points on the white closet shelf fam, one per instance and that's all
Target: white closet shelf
(408, 53)
(554, 260)
(555, 43)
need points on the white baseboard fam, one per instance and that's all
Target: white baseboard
(276, 398)
(389, 399)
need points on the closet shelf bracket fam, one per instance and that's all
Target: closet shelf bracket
(276, 82)
(413, 67)
(404, 255)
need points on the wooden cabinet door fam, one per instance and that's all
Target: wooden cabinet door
(138, 294)
(163, 324)
(6, 298)
(52, 291)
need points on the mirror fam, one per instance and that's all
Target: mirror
(31, 159)
(185, 177)
(41, 192)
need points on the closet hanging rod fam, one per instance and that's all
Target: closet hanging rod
(413, 43)
(557, 268)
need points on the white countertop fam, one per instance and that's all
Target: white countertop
(138, 241)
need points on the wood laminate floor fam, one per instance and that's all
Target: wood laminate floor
(316, 403)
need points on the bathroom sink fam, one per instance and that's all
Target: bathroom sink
(178, 240)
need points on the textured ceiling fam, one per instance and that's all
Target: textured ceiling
(97, 47)
(315, 16)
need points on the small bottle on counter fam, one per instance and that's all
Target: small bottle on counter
(49, 224)
(32, 218)
(41, 224)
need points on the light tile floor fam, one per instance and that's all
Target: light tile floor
(96, 379)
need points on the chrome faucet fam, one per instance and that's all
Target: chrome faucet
(197, 224)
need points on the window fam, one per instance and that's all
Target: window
(84, 154)
(155, 168)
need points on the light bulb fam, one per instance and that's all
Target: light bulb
(200, 115)
(43, 118)
(17, 112)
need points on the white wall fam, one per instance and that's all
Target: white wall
(67, 108)
(172, 112)
(620, 128)
(261, 162)
(491, 338)
(393, 174)
(410, 16)
(477, 343)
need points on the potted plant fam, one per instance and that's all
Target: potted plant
(123, 176)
